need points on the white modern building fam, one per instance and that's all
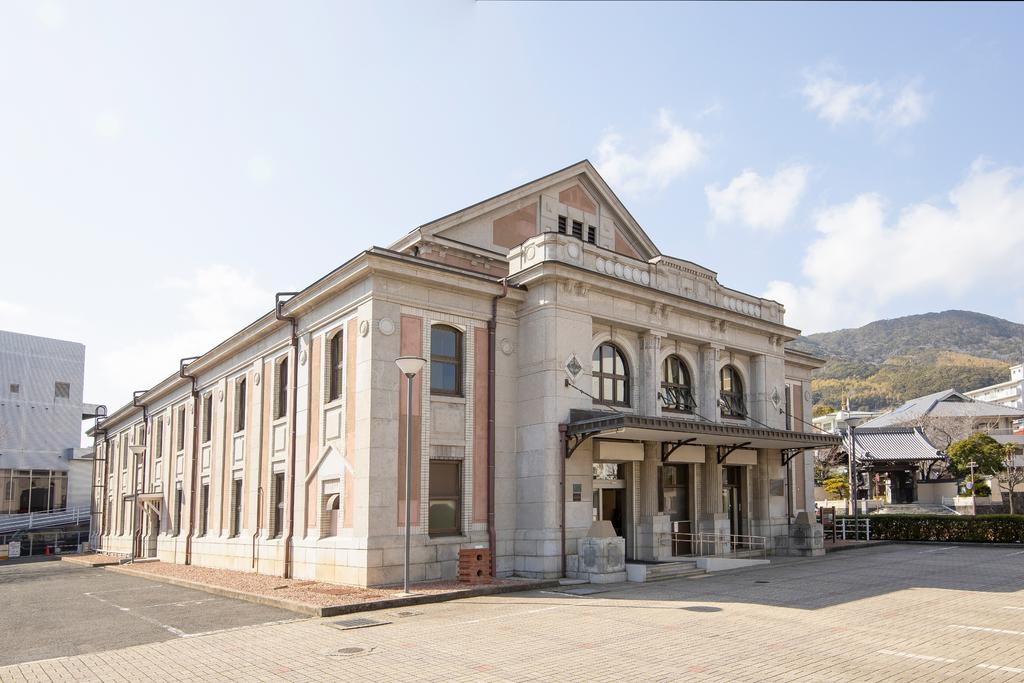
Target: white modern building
(42, 467)
(1009, 393)
(581, 392)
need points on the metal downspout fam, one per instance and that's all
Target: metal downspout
(561, 485)
(136, 528)
(492, 324)
(278, 307)
(182, 364)
(96, 431)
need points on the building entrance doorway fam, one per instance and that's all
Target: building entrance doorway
(732, 497)
(901, 487)
(610, 496)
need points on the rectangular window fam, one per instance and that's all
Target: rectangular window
(204, 509)
(240, 404)
(15, 388)
(335, 362)
(592, 234)
(158, 439)
(61, 390)
(445, 511)
(789, 407)
(281, 395)
(577, 230)
(181, 428)
(207, 417)
(562, 224)
(673, 492)
(236, 507)
(277, 505)
(445, 360)
(179, 503)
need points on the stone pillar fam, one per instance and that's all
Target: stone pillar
(650, 350)
(757, 398)
(713, 519)
(654, 529)
(707, 389)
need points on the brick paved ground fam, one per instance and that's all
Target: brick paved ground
(892, 613)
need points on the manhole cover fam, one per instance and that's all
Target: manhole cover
(349, 652)
(584, 591)
(362, 622)
(408, 613)
(702, 608)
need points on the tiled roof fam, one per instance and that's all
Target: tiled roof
(948, 403)
(893, 444)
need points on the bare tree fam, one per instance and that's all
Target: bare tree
(1011, 475)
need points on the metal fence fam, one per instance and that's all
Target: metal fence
(710, 544)
(47, 542)
(39, 520)
(853, 529)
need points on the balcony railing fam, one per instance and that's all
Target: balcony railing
(712, 544)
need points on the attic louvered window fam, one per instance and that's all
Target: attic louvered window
(562, 220)
(592, 234)
(577, 230)
(61, 390)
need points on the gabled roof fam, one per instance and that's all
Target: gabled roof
(948, 403)
(892, 444)
(588, 176)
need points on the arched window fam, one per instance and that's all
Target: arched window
(732, 393)
(676, 386)
(610, 374)
(334, 367)
(445, 360)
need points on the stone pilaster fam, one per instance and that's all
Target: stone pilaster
(650, 350)
(654, 529)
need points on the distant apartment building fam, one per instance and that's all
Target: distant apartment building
(42, 467)
(1009, 394)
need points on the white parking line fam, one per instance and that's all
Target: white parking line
(1007, 669)
(183, 603)
(911, 655)
(939, 550)
(986, 629)
(237, 628)
(503, 616)
(1019, 552)
(123, 590)
(149, 620)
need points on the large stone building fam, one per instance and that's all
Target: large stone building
(42, 467)
(575, 374)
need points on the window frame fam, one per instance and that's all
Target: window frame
(61, 390)
(599, 376)
(735, 407)
(180, 436)
(207, 418)
(445, 497)
(241, 397)
(456, 361)
(685, 387)
(277, 503)
(204, 509)
(335, 366)
(237, 491)
(281, 380)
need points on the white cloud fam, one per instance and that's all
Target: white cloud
(633, 173)
(760, 203)
(864, 258)
(208, 306)
(51, 14)
(10, 310)
(108, 124)
(260, 169)
(838, 101)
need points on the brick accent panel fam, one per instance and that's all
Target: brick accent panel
(480, 389)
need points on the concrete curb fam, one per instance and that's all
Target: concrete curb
(335, 610)
(859, 546)
(89, 561)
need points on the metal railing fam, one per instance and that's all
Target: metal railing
(711, 544)
(851, 529)
(39, 520)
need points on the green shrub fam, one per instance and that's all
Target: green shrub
(982, 489)
(836, 487)
(949, 529)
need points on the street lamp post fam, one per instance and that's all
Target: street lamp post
(409, 366)
(972, 465)
(852, 422)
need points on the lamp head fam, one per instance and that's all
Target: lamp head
(410, 365)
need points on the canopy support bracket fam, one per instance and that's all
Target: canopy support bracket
(670, 447)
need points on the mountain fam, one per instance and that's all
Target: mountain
(886, 362)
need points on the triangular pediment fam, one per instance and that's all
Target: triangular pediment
(576, 195)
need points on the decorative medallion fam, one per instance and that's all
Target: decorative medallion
(302, 357)
(507, 347)
(573, 367)
(775, 399)
(386, 326)
(573, 250)
(220, 396)
(256, 379)
(364, 328)
(531, 251)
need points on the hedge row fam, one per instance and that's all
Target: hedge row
(966, 529)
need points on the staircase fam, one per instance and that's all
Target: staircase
(915, 509)
(643, 572)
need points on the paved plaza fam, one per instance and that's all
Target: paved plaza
(889, 613)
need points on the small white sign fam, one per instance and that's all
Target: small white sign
(14, 549)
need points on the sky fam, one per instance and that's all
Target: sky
(166, 167)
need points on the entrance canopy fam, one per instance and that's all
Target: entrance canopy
(674, 433)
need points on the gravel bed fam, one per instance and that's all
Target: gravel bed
(315, 593)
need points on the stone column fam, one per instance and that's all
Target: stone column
(654, 529)
(650, 350)
(713, 519)
(708, 390)
(757, 393)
